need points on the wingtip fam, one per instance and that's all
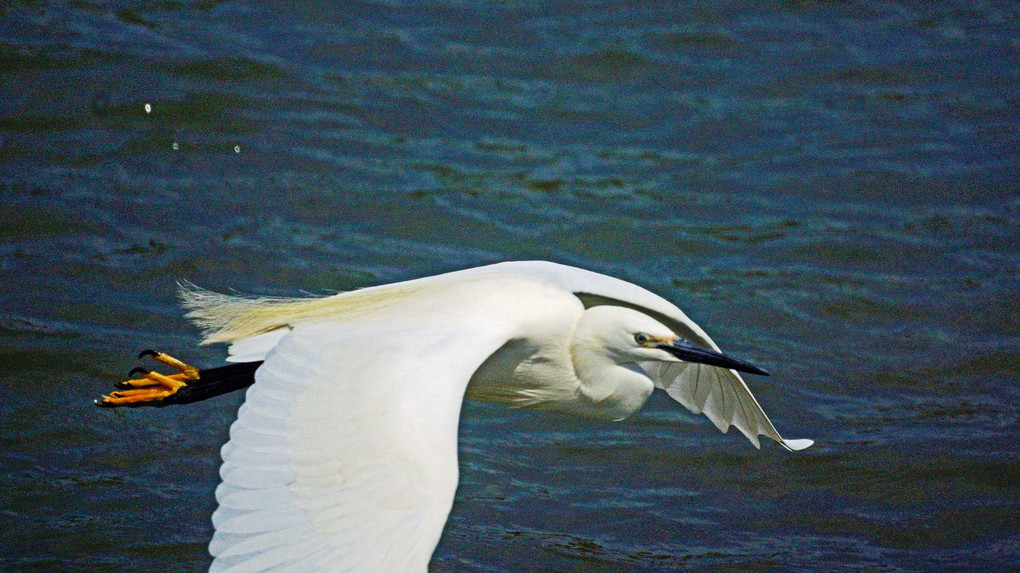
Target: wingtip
(797, 445)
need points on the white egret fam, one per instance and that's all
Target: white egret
(344, 454)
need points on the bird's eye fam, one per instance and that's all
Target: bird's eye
(641, 338)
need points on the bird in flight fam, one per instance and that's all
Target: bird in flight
(344, 455)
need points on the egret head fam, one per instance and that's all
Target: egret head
(629, 336)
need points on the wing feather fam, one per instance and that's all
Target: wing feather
(343, 456)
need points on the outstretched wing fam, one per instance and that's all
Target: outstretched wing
(344, 455)
(719, 393)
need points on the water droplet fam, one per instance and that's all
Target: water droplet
(237, 149)
(148, 108)
(175, 147)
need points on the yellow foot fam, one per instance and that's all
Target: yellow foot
(152, 388)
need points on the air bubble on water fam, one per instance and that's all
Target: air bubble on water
(148, 108)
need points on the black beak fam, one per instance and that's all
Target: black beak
(689, 353)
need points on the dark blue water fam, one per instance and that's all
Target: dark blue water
(829, 188)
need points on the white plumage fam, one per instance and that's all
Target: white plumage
(344, 454)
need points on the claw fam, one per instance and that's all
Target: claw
(137, 382)
(148, 352)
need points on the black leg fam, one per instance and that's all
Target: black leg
(214, 382)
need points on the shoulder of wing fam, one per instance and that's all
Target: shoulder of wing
(594, 289)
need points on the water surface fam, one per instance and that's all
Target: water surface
(829, 188)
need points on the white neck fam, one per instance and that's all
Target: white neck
(608, 389)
